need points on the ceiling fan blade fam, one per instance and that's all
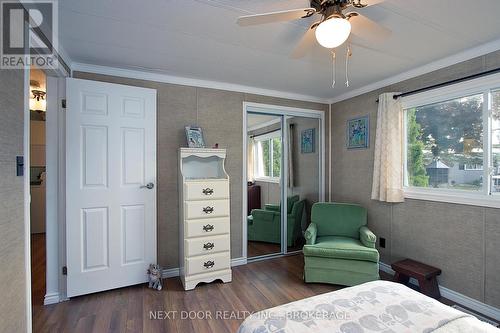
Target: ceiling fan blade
(369, 30)
(281, 16)
(371, 2)
(306, 43)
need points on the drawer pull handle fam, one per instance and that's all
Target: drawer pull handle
(208, 210)
(208, 227)
(209, 264)
(208, 246)
(208, 191)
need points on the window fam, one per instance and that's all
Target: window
(495, 141)
(453, 140)
(268, 156)
(445, 144)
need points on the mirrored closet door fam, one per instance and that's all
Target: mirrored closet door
(265, 155)
(283, 166)
(303, 178)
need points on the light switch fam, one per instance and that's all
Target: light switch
(19, 166)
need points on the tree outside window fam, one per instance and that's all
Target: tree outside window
(445, 144)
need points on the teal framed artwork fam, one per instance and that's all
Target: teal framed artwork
(358, 133)
(307, 141)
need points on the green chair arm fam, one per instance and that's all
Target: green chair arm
(273, 207)
(367, 237)
(310, 234)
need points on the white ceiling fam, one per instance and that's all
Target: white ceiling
(200, 39)
(258, 120)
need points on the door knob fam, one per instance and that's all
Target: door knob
(149, 186)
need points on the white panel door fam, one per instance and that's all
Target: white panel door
(110, 157)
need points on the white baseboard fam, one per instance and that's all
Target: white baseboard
(51, 298)
(173, 272)
(480, 307)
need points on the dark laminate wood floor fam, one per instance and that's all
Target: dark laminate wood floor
(255, 249)
(256, 286)
(37, 268)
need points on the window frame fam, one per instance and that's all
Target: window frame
(267, 137)
(483, 85)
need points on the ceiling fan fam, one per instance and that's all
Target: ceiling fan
(337, 20)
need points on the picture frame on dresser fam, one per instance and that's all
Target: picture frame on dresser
(194, 137)
(204, 217)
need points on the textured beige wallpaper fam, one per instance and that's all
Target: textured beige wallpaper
(12, 260)
(462, 240)
(220, 114)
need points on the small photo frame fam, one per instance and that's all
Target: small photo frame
(358, 133)
(194, 136)
(307, 141)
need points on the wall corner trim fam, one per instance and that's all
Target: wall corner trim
(143, 74)
(173, 272)
(482, 308)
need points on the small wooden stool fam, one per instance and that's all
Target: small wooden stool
(425, 275)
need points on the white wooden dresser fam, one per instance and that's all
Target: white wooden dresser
(204, 253)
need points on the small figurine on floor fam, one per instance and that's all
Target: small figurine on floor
(154, 274)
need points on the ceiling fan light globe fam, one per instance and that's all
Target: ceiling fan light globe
(333, 32)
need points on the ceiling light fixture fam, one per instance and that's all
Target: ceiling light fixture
(333, 32)
(37, 102)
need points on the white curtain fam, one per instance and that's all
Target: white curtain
(290, 156)
(251, 160)
(258, 159)
(388, 164)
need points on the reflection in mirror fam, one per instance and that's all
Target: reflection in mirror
(303, 177)
(264, 190)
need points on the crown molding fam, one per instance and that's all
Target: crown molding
(435, 65)
(185, 81)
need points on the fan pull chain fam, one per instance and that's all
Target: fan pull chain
(334, 74)
(348, 55)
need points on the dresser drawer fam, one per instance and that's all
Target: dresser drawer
(206, 227)
(206, 245)
(206, 209)
(206, 190)
(207, 263)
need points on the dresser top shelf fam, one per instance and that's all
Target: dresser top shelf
(202, 152)
(202, 164)
(204, 180)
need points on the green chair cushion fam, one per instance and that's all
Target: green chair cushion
(341, 248)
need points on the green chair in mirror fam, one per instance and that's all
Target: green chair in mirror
(264, 225)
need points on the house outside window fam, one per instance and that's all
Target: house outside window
(452, 142)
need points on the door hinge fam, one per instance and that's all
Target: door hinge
(63, 103)
(65, 270)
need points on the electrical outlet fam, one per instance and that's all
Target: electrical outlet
(382, 242)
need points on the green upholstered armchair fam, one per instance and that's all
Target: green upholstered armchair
(264, 225)
(339, 248)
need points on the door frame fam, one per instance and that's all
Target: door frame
(55, 225)
(270, 109)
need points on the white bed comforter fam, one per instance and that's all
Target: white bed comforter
(378, 306)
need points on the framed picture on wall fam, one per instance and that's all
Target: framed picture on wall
(194, 136)
(307, 141)
(358, 134)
